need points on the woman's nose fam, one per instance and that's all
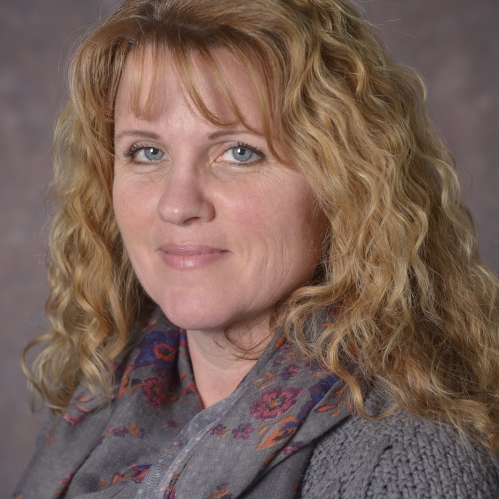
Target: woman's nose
(184, 199)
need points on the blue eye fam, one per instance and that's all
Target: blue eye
(151, 153)
(242, 154)
(144, 154)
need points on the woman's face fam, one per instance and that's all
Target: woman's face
(217, 230)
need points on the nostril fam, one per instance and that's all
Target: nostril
(184, 202)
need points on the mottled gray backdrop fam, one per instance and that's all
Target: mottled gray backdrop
(453, 43)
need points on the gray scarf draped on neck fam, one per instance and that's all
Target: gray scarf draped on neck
(154, 441)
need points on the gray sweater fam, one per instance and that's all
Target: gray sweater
(399, 457)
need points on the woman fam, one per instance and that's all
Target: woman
(264, 281)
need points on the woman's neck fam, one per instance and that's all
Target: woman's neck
(220, 364)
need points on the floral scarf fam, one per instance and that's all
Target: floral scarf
(154, 441)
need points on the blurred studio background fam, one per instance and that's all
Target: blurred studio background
(453, 43)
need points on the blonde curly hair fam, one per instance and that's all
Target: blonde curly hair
(417, 309)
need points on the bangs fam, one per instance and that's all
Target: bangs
(149, 89)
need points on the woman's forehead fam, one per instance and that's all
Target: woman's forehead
(218, 86)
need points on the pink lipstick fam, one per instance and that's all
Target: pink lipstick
(190, 256)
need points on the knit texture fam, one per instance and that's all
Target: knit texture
(399, 457)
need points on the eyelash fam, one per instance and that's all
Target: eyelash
(130, 152)
(243, 145)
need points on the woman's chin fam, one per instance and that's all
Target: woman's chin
(196, 319)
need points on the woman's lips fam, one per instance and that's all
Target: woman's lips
(190, 256)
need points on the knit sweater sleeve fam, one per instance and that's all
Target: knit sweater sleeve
(400, 457)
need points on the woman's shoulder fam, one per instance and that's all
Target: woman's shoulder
(400, 456)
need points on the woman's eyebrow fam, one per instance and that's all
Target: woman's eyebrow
(222, 132)
(155, 136)
(135, 133)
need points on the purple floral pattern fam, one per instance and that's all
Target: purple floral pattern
(292, 447)
(244, 430)
(290, 371)
(220, 430)
(155, 384)
(274, 402)
(222, 493)
(156, 350)
(135, 473)
(123, 431)
(154, 390)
